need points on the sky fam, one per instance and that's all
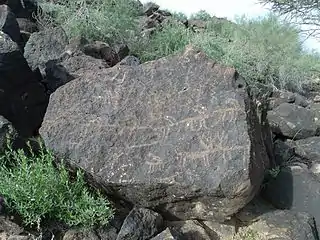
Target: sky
(223, 8)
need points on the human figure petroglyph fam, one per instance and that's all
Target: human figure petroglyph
(155, 163)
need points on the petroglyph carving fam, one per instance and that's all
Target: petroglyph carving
(155, 163)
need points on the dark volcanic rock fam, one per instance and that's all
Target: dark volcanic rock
(141, 224)
(308, 148)
(292, 121)
(102, 50)
(150, 8)
(44, 46)
(27, 25)
(283, 152)
(130, 61)
(315, 108)
(24, 9)
(80, 235)
(164, 235)
(189, 230)
(280, 225)
(9, 25)
(59, 73)
(175, 134)
(296, 189)
(6, 131)
(22, 97)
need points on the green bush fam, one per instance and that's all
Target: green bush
(37, 190)
(263, 50)
(105, 20)
(173, 37)
(201, 15)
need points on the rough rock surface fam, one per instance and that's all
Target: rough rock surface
(308, 148)
(191, 229)
(11, 231)
(59, 73)
(164, 235)
(6, 130)
(22, 98)
(45, 45)
(315, 108)
(25, 8)
(130, 61)
(292, 121)
(295, 189)
(9, 24)
(284, 225)
(141, 224)
(176, 134)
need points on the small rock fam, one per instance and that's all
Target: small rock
(315, 168)
(280, 224)
(308, 148)
(316, 99)
(190, 229)
(164, 235)
(109, 233)
(283, 152)
(27, 25)
(9, 25)
(122, 50)
(44, 46)
(300, 100)
(80, 235)
(102, 50)
(150, 7)
(141, 224)
(130, 61)
(292, 121)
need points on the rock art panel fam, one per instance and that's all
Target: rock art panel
(177, 135)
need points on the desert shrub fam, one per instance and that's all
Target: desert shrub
(201, 15)
(38, 190)
(171, 38)
(263, 50)
(179, 16)
(269, 52)
(105, 20)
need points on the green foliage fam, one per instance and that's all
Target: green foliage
(173, 37)
(179, 16)
(105, 20)
(34, 188)
(263, 50)
(300, 12)
(201, 15)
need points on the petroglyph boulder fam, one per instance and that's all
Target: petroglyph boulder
(179, 135)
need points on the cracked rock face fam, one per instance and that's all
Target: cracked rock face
(177, 135)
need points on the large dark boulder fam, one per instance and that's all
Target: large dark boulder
(292, 121)
(179, 134)
(280, 225)
(296, 189)
(45, 45)
(9, 25)
(308, 148)
(25, 8)
(22, 97)
(59, 72)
